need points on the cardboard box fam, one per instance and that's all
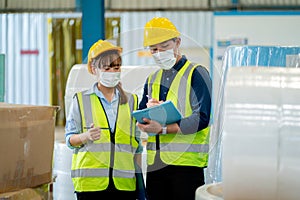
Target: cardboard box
(23, 194)
(27, 143)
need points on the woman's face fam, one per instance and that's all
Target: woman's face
(109, 62)
(108, 69)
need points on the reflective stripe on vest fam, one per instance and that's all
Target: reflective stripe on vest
(101, 172)
(178, 149)
(91, 162)
(107, 147)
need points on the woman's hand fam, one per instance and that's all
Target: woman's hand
(92, 134)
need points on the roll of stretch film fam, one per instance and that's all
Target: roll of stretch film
(261, 133)
(62, 186)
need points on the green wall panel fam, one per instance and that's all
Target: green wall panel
(2, 77)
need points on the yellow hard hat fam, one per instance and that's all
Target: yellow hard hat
(99, 47)
(159, 29)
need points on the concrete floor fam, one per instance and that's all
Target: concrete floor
(59, 133)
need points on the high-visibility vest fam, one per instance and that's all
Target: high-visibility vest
(178, 148)
(91, 162)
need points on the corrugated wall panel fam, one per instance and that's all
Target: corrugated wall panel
(156, 4)
(2, 77)
(147, 4)
(25, 44)
(63, 54)
(38, 4)
(27, 71)
(221, 3)
(2, 4)
(269, 3)
(195, 28)
(3, 23)
(2, 51)
(133, 31)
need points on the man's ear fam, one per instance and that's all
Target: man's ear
(178, 41)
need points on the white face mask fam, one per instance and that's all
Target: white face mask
(109, 79)
(165, 59)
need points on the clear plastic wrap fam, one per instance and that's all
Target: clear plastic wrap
(62, 186)
(242, 56)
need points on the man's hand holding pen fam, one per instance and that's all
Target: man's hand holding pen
(150, 126)
(153, 102)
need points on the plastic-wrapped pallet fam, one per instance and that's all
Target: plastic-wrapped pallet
(242, 56)
(261, 133)
(253, 138)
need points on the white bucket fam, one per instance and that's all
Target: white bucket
(63, 188)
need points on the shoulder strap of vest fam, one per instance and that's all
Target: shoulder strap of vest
(132, 101)
(151, 80)
(199, 65)
(85, 107)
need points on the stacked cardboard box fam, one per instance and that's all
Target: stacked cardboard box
(23, 194)
(27, 143)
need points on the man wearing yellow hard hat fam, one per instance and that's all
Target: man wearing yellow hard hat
(101, 131)
(178, 153)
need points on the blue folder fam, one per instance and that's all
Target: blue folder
(164, 113)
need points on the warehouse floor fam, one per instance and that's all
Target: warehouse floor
(59, 133)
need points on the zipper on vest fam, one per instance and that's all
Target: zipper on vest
(112, 141)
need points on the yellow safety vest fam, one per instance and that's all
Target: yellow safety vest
(91, 162)
(178, 149)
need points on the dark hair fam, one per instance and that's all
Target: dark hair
(107, 58)
(123, 96)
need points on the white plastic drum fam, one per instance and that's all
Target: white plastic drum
(210, 192)
(63, 188)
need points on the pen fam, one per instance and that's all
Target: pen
(89, 127)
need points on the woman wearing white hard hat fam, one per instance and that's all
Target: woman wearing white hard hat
(101, 131)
